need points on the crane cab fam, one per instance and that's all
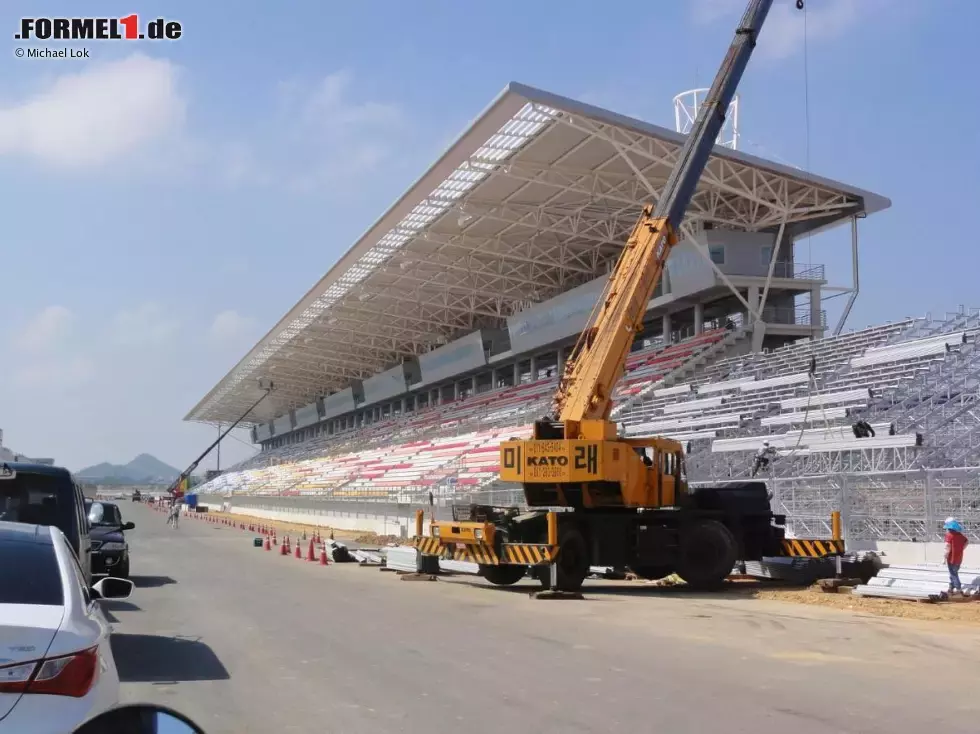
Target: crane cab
(585, 473)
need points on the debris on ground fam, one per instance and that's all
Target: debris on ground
(923, 581)
(942, 611)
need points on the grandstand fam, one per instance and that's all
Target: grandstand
(445, 327)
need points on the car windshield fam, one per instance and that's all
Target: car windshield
(29, 574)
(100, 513)
(38, 499)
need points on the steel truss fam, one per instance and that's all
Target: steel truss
(901, 505)
(521, 219)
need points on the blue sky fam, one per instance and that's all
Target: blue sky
(166, 203)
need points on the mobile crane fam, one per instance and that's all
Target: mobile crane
(595, 497)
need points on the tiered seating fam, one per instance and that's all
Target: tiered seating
(771, 397)
(648, 366)
(746, 388)
(453, 441)
(723, 414)
(507, 406)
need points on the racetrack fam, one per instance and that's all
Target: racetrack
(243, 640)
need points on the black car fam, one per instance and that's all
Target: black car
(110, 551)
(39, 494)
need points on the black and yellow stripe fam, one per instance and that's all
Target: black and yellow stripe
(529, 554)
(803, 548)
(523, 554)
(477, 553)
(429, 546)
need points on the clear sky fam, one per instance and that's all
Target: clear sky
(165, 203)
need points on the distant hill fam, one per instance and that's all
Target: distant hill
(144, 469)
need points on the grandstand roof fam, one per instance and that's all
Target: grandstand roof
(536, 197)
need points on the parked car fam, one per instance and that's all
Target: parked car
(110, 550)
(56, 665)
(38, 494)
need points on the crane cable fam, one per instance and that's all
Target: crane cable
(811, 377)
(806, 112)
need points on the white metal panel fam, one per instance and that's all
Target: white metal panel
(454, 358)
(306, 416)
(282, 424)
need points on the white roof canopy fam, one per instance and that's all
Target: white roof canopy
(535, 198)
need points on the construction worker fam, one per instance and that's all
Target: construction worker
(956, 543)
(762, 457)
(863, 429)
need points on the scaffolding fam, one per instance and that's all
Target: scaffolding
(894, 505)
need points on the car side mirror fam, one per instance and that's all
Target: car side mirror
(128, 526)
(140, 719)
(112, 588)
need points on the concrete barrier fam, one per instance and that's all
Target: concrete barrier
(383, 518)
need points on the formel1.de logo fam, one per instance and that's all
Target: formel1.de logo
(129, 28)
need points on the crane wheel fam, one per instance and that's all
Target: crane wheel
(707, 555)
(505, 575)
(573, 559)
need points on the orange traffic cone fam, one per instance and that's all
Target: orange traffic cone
(310, 553)
(299, 553)
(323, 556)
(283, 550)
(267, 546)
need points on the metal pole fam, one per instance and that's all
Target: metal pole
(218, 449)
(855, 275)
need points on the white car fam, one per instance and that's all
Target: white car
(56, 666)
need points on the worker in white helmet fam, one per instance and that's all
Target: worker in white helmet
(763, 456)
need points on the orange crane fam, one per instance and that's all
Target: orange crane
(623, 502)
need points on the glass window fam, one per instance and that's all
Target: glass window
(38, 499)
(79, 575)
(717, 254)
(103, 514)
(765, 254)
(29, 574)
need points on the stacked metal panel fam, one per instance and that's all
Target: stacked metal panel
(927, 581)
(458, 566)
(792, 570)
(402, 558)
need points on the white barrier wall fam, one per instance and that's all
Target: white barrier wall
(398, 526)
(904, 553)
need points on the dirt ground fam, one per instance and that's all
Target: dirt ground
(962, 612)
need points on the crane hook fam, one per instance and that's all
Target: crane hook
(799, 4)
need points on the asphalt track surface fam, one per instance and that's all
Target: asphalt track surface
(243, 640)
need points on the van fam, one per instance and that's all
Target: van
(38, 494)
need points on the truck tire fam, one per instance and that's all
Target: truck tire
(573, 560)
(504, 575)
(707, 555)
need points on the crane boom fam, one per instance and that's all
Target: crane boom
(598, 361)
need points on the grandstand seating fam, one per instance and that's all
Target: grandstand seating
(423, 448)
(908, 379)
